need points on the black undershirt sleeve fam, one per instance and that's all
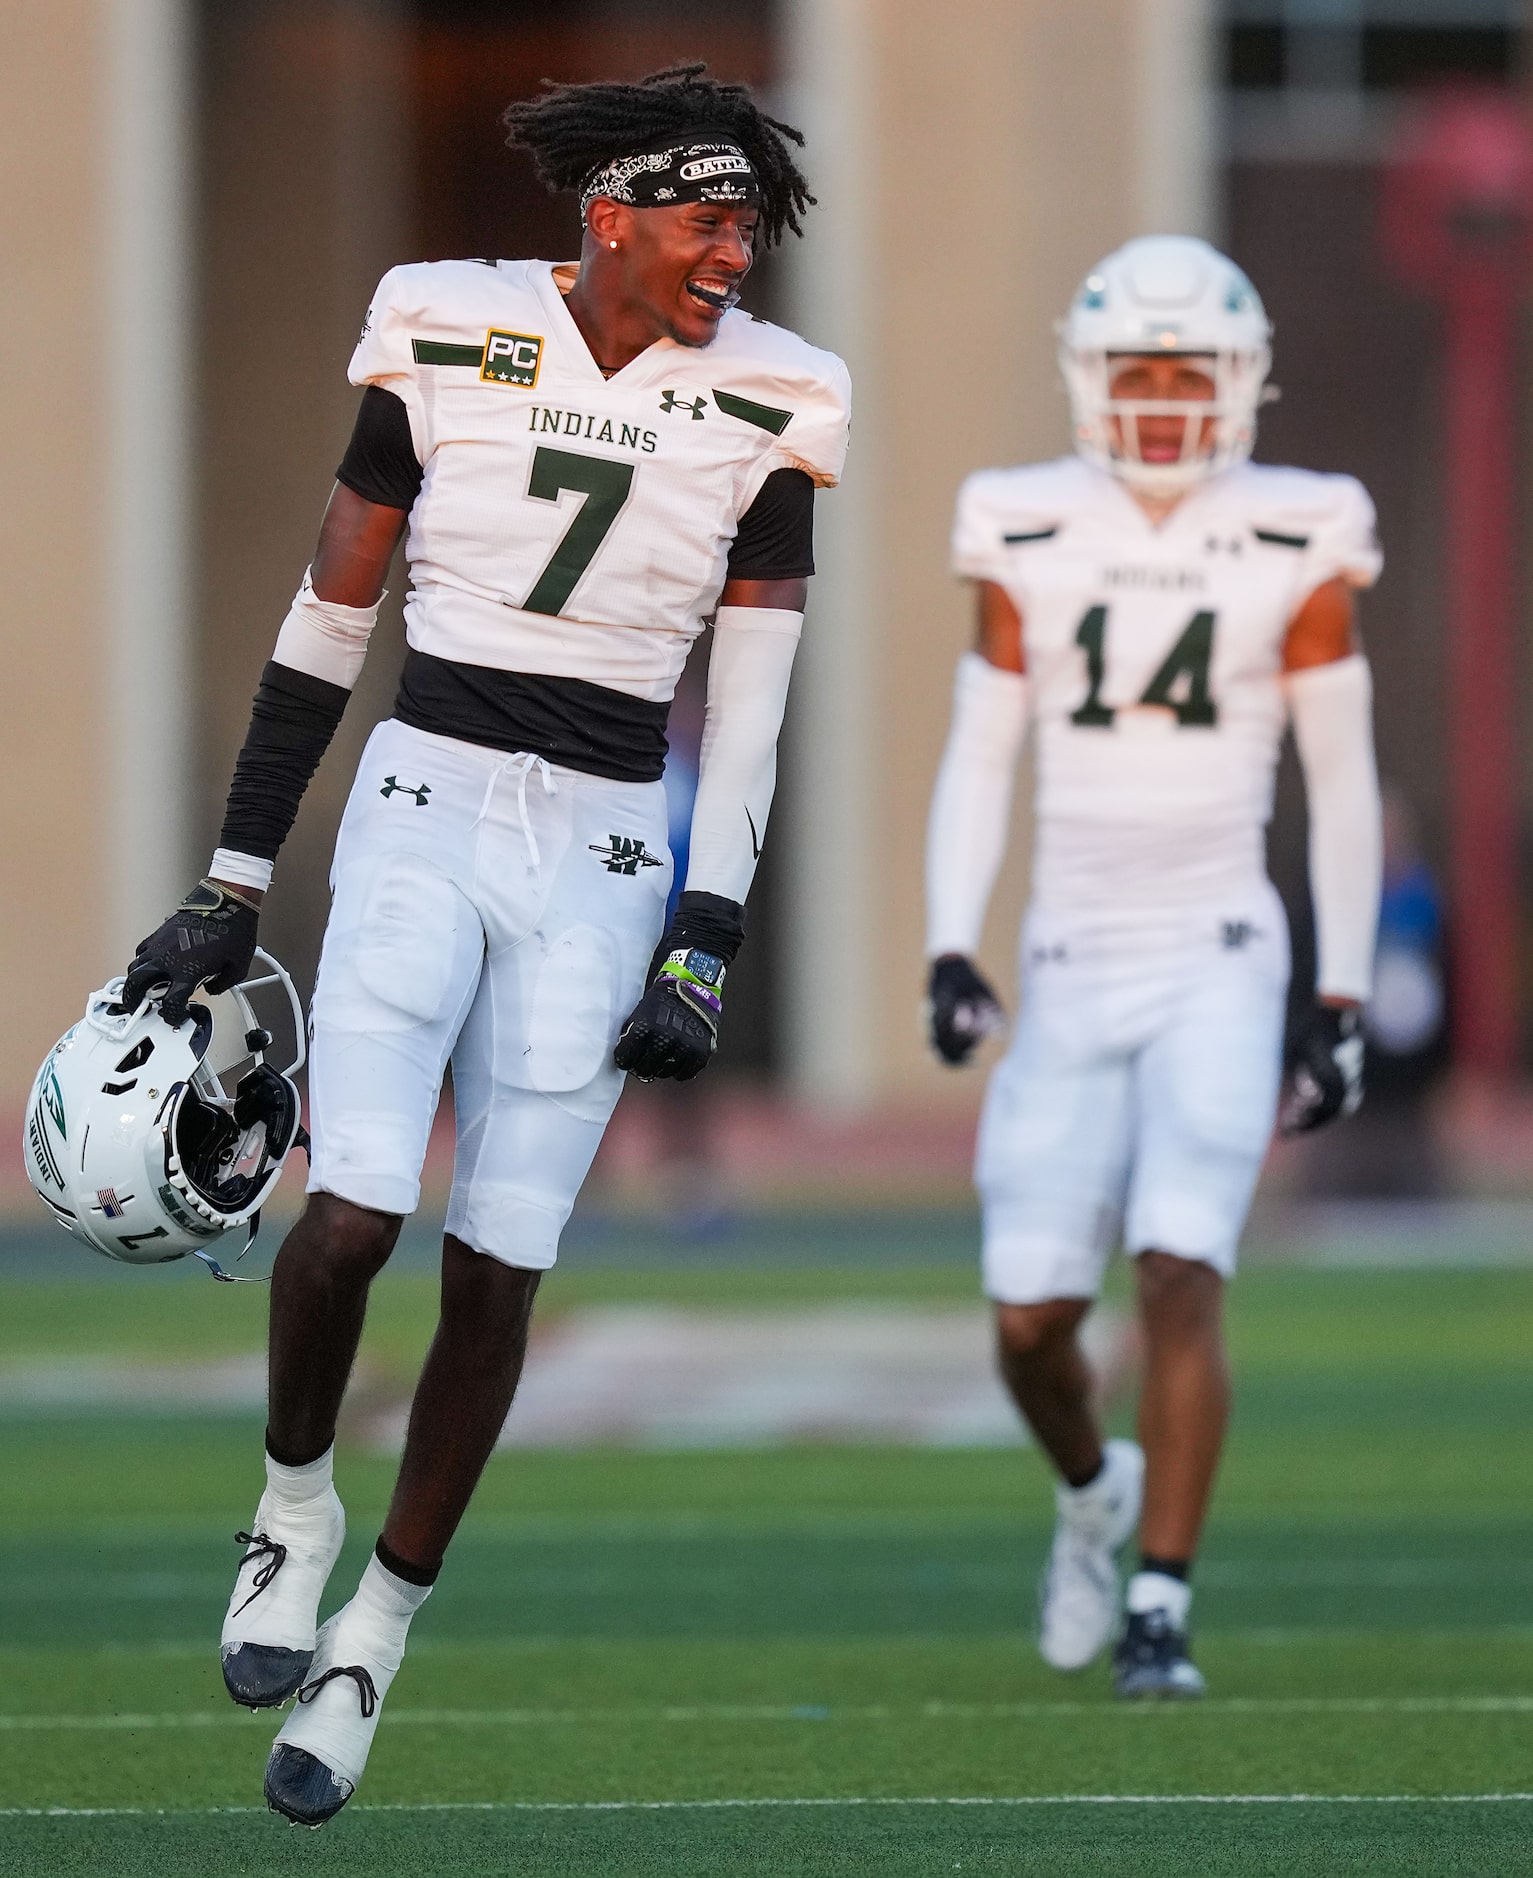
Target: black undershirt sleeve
(291, 723)
(380, 463)
(775, 539)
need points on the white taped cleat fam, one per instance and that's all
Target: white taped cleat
(270, 1628)
(318, 1758)
(1078, 1599)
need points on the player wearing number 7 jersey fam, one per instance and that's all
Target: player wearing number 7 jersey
(588, 464)
(1156, 609)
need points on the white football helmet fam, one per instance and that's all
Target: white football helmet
(1167, 294)
(132, 1139)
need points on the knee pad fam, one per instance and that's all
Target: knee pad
(391, 953)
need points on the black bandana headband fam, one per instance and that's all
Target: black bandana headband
(702, 169)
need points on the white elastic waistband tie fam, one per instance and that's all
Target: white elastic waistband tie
(524, 762)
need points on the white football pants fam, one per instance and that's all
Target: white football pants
(498, 912)
(1137, 1097)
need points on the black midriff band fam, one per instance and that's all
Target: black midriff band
(566, 720)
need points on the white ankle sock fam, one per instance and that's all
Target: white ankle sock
(392, 1601)
(1154, 1591)
(299, 1490)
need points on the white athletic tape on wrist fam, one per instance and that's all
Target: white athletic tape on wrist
(324, 639)
(749, 667)
(240, 870)
(1332, 711)
(971, 803)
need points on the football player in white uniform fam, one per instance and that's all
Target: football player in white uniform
(1156, 608)
(592, 462)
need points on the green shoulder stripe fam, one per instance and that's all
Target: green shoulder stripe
(761, 415)
(433, 352)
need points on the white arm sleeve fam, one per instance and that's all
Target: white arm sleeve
(748, 671)
(324, 639)
(1332, 710)
(971, 804)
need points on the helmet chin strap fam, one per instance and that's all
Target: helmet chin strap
(229, 1278)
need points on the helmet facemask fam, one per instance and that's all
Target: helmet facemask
(224, 1152)
(1217, 432)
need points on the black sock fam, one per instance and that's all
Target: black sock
(402, 1568)
(1180, 1568)
(291, 1460)
(1084, 1480)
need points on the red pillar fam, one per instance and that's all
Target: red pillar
(1458, 223)
(1480, 411)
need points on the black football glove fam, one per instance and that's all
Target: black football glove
(209, 940)
(673, 1030)
(964, 1010)
(1325, 1069)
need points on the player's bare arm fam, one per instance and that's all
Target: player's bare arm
(1324, 629)
(357, 542)
(788, 596)
(998, 628)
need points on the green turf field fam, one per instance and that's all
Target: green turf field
(805, 1661)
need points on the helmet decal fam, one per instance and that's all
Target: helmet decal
(53, 1101)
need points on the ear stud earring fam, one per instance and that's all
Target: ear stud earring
(611, 244)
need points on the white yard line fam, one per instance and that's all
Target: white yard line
(703, 1806)
(810, 1712)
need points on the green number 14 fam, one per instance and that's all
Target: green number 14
(1185, 666)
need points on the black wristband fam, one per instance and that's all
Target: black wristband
(292, 720)
(709, 921)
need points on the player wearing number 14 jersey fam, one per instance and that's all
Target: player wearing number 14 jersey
(1155, 610)
(588, 464)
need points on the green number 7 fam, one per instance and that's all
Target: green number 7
(605, 485)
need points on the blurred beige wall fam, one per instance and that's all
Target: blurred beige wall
(191, 228)
(92, 290)
(973, 158)
(304, 204)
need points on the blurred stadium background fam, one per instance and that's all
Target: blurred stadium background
(763, 1527)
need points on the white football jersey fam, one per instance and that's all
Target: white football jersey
(1154, 660)
(572, 525)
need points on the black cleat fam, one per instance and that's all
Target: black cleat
(260, 1675)
(302, 1789)
(1151, 1664)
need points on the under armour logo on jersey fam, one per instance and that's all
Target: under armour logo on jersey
(1237, 934)
(1226, 544)
(419, 790)
(624, 855)
(669, 401)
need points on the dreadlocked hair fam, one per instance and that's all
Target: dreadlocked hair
(573, 130)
